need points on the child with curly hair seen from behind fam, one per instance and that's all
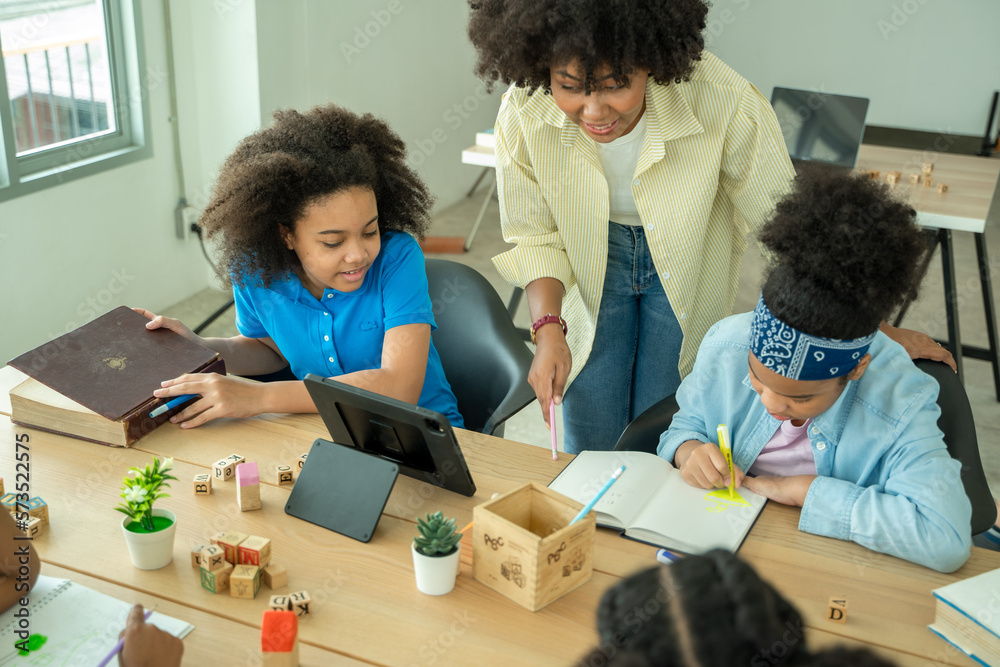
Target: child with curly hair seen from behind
(706, 611)
(315, 219)
(825, 411)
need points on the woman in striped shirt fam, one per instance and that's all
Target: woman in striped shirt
(630, 166)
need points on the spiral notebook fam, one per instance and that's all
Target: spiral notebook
(73, 624)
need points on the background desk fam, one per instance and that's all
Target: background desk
(366, 606)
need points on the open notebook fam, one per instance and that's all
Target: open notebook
(79, 626)
(652, 503)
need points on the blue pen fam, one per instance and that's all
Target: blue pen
(171, 404)
(665, 556)
(604, 489)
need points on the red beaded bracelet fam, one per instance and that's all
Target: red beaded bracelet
(547, 319)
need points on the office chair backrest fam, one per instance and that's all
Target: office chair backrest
(959, 430)
(484, 358)
(956, 422)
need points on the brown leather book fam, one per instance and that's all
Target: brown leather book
(96, 382)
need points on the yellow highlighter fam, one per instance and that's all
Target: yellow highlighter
(723, 432)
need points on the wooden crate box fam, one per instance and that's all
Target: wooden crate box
(525, 548)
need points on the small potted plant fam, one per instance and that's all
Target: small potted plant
(148, 532)
(435, 554)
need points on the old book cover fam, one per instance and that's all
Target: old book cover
(108, 368)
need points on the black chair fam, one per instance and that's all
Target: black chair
(956, 422)
(484, 358)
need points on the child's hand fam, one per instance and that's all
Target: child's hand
(221, 396)
(702, 464)
(785, 490)
(146, 645)
(158, 321)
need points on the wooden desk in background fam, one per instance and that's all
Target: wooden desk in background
(972, 185)
(366, 609)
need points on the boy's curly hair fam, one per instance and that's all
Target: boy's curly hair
(847, 254)
(517, 41)
(276, 173)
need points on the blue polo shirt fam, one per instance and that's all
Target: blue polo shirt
(343, 332)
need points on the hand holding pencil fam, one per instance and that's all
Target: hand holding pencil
(145, 645)
(703, 464)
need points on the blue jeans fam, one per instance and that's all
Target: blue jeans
(637, 346)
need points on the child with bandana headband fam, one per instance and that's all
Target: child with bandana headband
(825, 411)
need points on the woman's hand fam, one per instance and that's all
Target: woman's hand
(919, 345)
(550, 367)
(159, 321)
(785, 490)
(702, 464)
(219, 396)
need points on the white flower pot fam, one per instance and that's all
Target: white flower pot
(435, 574)
(151, 551)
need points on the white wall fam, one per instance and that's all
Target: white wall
(407, 61)
(76, 250)
(925, 64)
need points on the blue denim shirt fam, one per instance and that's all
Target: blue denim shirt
(886, 480)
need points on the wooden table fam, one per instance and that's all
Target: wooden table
(366, 607)
(972, 186)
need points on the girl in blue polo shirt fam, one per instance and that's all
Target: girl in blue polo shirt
(825, 411)
(315, 219)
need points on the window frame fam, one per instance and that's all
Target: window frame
(73, 159)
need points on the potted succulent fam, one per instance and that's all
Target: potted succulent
(148, 532)
(435, 554)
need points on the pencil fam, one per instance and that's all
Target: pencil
(552, 427)
(600, 494)
(171, 404)
(121, 643)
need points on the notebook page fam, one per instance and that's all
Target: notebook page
(587, 473)
(688, 519)
(79, 624)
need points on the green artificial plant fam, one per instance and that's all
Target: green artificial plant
(437, 535)
(142, 488)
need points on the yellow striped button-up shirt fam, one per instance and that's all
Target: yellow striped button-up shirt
(712, 166)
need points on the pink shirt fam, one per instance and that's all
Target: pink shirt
(788, 453)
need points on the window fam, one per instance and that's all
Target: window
(71, 98)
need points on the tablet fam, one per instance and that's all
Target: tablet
(420, 441)
(342, 489)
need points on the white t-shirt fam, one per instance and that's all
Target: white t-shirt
(618, 160)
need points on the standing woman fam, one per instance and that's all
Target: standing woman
(631, 165)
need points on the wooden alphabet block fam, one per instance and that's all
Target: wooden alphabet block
(280, 603)
(247, 486)
(245, 582)
(914, 179)
(230, 542)
(196, 555)
(279, 640)
(39, 509)
(9, 502)
(871, 173)
(223, 470)
(236, 459)
(255, 550)
(34, 527)
(302, 461)
(892, 177)
(927, 181)
(927, 167)
(213, 558)
(301, 602)
(942, 188)
(837, 611)
(203, 485)
(274, 576)
(217, 580)
(285, 475)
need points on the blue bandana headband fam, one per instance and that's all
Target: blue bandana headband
(800, 356)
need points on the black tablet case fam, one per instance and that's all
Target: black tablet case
(342, 489)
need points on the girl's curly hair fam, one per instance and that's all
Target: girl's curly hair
(517, 41)
(302, 158)
(847, 254)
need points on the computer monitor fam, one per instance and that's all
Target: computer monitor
(820, 127)
(420, 441)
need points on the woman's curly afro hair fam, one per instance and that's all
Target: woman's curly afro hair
(302, 158)
(847, 254)
(517, 41)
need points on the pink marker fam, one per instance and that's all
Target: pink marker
(552, 427)
(246, 474)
